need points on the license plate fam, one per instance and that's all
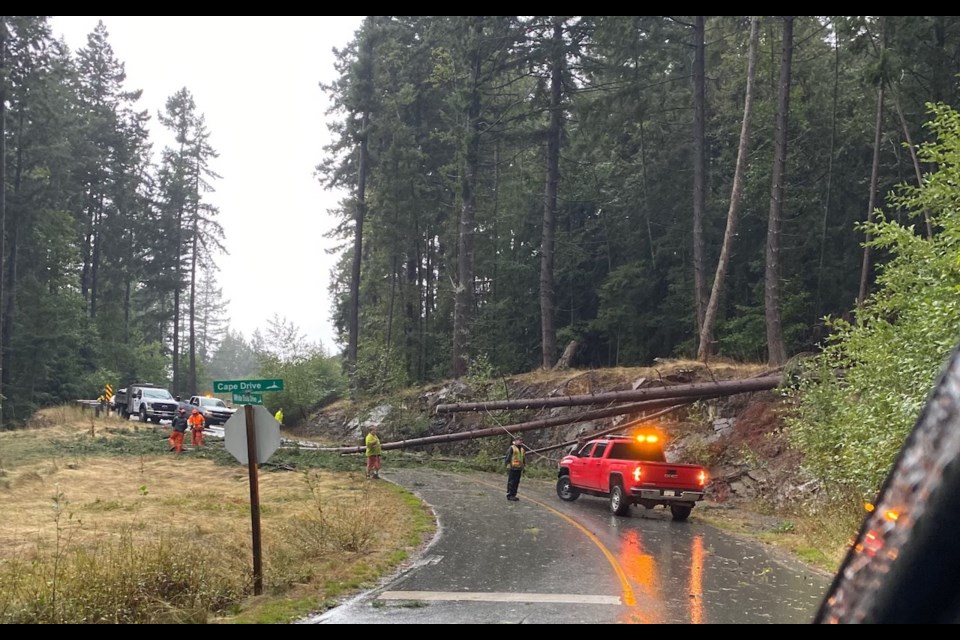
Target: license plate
(670, 494)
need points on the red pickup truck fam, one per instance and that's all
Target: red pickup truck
(631, 470)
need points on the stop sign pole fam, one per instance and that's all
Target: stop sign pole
(252, 436)
(254, 499)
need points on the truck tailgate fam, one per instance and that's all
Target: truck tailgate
(664, 475)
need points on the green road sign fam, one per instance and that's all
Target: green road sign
(247, 398)
(247, 386)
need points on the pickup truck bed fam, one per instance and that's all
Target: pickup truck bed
(631, 470)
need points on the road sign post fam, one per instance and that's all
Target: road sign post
(252, 437)
(252, 472)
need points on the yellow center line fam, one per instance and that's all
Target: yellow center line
(629, 598)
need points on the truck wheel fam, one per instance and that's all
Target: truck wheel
(680, 513)
(143, 414)
(566, 492)
(619, 505)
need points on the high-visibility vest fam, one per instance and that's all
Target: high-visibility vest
(372, 443)
(516, 457)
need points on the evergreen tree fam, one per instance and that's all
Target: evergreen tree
(776, 350)
(46, 345)
(189, 221)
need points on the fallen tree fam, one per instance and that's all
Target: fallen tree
(694, 391)
(522, 427)
(599, 434)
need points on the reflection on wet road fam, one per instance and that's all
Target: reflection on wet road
(545, 561)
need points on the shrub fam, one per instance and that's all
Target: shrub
(856, 402)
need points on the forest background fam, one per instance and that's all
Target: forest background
(634, 187)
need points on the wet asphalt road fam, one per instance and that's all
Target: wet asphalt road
(544, 561)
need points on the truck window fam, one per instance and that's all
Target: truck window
(634, 451)
(599, 449)
(585, 450)
(155, 394)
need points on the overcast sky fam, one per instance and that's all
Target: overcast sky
(256, 80)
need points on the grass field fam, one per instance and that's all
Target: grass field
(108, 525)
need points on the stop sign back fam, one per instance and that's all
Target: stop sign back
(266, 432)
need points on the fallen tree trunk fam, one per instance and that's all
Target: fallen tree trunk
(599, 434)
(696, 391)
(520, 427)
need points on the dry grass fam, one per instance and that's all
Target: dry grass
(323, 533)
(109, 494)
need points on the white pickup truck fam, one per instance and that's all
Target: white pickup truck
(147, 401)
(214, 410)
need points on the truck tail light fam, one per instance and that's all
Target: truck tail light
(637, 472)
(702, 478)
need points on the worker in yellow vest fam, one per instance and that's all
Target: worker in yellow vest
(278, 416)
(515, 461)
(374, 452)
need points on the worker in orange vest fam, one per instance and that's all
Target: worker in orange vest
(196, 423)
